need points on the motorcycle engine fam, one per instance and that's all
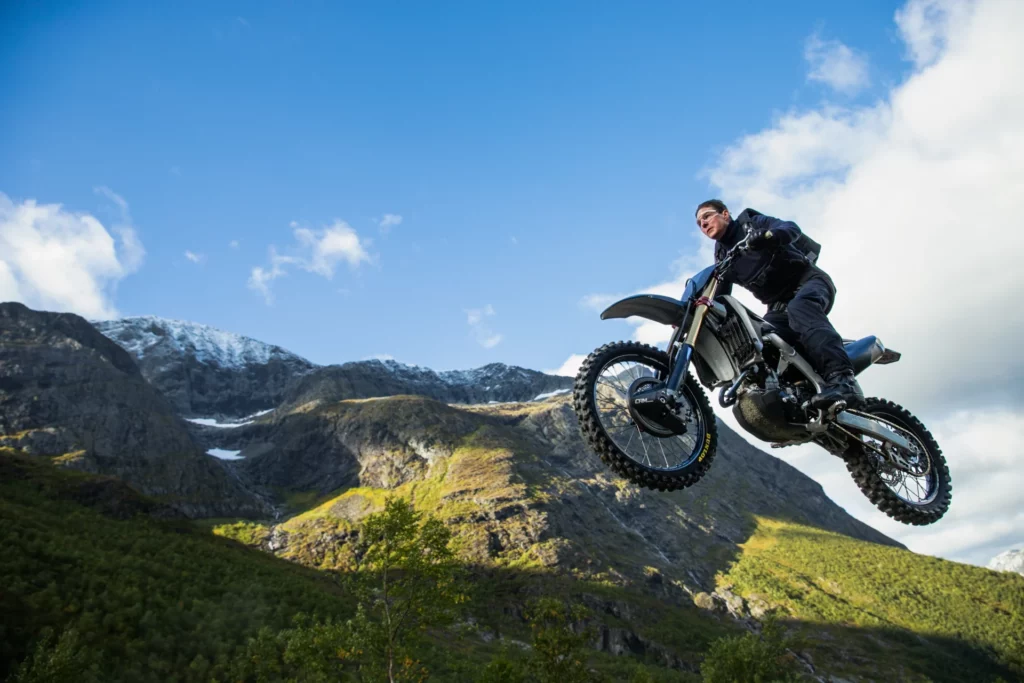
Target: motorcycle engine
(765, 415)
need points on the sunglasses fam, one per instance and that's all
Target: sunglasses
(704, 216)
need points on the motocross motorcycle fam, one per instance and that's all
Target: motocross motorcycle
(642, 411)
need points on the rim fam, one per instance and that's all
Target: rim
(916, 489)
(611, 400)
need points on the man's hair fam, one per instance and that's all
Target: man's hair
(717, 204)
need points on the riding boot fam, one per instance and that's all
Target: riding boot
(839, 386)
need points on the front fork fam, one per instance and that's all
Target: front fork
(685, 355)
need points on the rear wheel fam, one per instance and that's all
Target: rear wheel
(912, 487)
(640, 451)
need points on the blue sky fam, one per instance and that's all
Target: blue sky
(537, 153)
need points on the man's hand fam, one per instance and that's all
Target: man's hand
(761, 240)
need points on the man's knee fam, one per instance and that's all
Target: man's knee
(806, 314)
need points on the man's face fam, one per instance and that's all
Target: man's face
(712, 223)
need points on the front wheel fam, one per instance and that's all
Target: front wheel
(912, 487)
(643, 454)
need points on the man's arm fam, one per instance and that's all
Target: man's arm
(783, 232)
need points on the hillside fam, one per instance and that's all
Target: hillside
(964, 617)
(153, 600)
(521, 487)
(187, 605)
(68, 392)
(203, 371)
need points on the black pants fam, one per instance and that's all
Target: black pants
(804, 324)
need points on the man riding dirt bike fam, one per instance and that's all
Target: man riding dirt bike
(798, 294)
(646, 416)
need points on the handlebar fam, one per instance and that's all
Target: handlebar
(742, 246)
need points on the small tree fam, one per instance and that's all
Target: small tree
(408, 581)
(58, 659)
(559, 648)
(750, 658)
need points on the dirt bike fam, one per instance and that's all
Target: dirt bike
(642, 411)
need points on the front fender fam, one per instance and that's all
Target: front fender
(660, 309)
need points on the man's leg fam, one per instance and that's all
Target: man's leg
(808, 317)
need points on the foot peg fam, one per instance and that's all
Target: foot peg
(836, 408)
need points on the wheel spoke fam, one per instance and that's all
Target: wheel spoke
(611, 399)
(664, 457)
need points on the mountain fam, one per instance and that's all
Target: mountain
(69, 393)
(532, 510)
(195, 606)
(494, 383)
(204, 371)
(520, 485)
(1010, 561)
(210, 374)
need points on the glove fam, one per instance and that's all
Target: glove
(761, 240)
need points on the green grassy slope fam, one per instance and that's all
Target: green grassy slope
(166, 600)
(944, 620)
(150, 598)
(171, 601)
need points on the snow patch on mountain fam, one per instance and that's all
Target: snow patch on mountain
(224, 454)
(1010, 561)
(139, 334)
(212, 422)
(490, 376)
(549, 394)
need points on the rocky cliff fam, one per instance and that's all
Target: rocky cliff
(520, 487)
(204, 371)
(495, 383)
(69, 393)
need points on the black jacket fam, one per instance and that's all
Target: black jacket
(773, 274)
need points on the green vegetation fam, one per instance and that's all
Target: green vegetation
(407, 580)
(147, 600)
(112, 594)
(96, 589)
(949, 621)
(751, 657)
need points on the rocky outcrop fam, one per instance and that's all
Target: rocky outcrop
(522, 488)
(69, 392)
(203, 371)
(496, 383)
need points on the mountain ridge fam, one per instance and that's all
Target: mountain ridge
(69, 393)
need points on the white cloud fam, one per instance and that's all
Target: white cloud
(130, 250)
(570, 367)
(330, 246)
(913, 199)
(57, 260)
(836, 65)
(389, 221)
(599, 302)
(194, 257)
(486, 337)
(320, 251)
(927, 26)
(233, 244)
